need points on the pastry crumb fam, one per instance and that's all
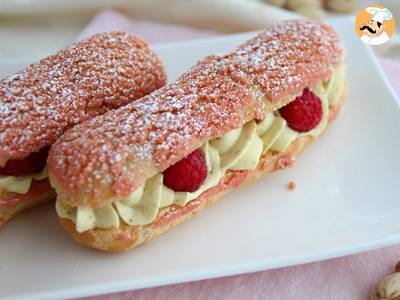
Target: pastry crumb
(285, 161)
(291, 185)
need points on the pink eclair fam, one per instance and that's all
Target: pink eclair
(38, 104)
(131, 174)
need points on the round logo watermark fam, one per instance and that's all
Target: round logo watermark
(375, 25)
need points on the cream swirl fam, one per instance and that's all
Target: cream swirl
(20, 184)
(238, 149)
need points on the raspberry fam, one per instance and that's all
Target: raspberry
(34, 163)
(304, 113)
(188, 174)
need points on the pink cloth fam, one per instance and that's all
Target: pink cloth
(350, 277)
(346, 278)
(392, 70)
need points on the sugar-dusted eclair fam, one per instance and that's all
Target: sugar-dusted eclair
(38, 104)
(134, 173)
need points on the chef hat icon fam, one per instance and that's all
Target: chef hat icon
(379, 14)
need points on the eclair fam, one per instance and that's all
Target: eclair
(131, 174)
(38, 104)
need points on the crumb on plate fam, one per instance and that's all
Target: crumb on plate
(291, 185)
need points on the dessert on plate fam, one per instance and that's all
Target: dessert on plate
(131, 174)
(38, 104)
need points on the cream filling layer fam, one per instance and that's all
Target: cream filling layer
(20, 184)
(238, 149)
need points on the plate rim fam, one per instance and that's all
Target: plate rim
(233, 269)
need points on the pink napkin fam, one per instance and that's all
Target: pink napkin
(346, 278)
(392, 70)
(350, 277)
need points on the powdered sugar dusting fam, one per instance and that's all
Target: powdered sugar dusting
(290, 56)
(87, 79)
(213, 97)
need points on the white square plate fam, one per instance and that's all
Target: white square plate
(347, 201)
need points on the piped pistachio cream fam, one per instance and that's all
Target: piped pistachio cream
(238, 149)
(20, 184)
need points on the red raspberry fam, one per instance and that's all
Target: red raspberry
(188, 174)
(304, 113)
(34, 163)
